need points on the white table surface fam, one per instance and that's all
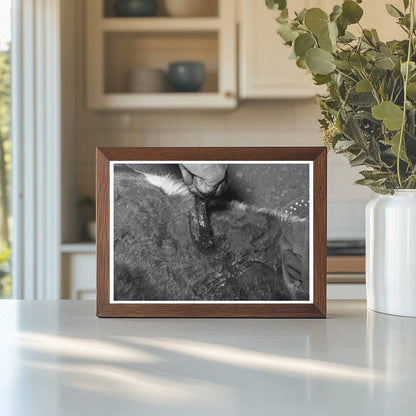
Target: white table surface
(57, 359)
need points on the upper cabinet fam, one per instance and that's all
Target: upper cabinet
(128, 58)
(265, 70)
(264, 66)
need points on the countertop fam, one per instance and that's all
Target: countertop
(57, 358)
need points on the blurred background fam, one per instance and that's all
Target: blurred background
(100, 73)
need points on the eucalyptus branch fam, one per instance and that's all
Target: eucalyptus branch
(406, 80)
(364, 108)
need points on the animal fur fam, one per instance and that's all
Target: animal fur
(155, 257)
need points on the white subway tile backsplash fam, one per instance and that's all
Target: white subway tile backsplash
(148, 120)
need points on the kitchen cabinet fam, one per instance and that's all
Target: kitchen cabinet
(118, 45)
(78, 264)
(265, 70)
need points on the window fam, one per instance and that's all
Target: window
(5, 145)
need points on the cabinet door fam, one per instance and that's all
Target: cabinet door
(78, 276)
(265, 68)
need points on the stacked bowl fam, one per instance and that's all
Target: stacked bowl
(147, 80)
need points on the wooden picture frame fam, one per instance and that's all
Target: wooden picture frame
(315, 307)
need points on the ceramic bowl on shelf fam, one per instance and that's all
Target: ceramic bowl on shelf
(135, 8)
(147, 80)
(191, 8)
(186, 76)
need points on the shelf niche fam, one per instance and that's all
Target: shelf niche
(127, 51)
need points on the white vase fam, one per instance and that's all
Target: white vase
(391, 253)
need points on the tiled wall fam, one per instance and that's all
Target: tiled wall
(265, 123)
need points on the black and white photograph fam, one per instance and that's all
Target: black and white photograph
(211, 232)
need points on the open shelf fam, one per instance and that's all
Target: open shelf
(80, 247)
(160, 24)
(127, 51)
(130, 101)
(116, 46)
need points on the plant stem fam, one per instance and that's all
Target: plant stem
(406, 80)
(373, 90)
(345, 75)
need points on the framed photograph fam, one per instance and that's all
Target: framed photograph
(211, 232)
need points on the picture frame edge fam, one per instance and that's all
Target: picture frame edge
(105, 309)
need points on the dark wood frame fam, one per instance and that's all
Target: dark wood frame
(317, 309)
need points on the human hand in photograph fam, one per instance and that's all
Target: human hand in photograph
(206, 180)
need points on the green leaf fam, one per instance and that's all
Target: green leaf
(368, 36)
(342, 25)
(393, 11)
(364, 181)
(411, 90)
(303, 43)
(325, 43)
(377, 75)
(351, 11)
(341, 64)
(394, 144)
(316, 20)
(327, 40)
(406, 4)
(321, 79)
(347, 37)
(375, 175)
(412, 67)
(301, 63)
(333, 32)
(283, 17)
(353, 130)
(391, 114)
(361, 99)
(343, 145)
(319, 61)
(375, 35)
(336, 12)
(385, 63)
(358, 160)
(301, 15)
(374, 150)
(396, 71)
(286, 32)
(358, 61)
(363, 86)
(276, 4)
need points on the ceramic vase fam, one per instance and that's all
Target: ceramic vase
(391, 253)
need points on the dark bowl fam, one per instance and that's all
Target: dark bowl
(186, 76)
(136, 8)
